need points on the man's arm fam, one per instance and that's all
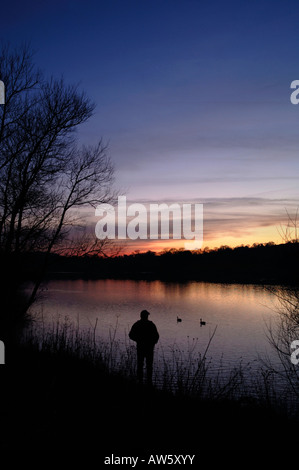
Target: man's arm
(133, 333)
(155, 334)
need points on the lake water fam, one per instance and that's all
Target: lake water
(240, 314)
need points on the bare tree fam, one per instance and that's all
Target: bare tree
(284, 330)
(45, 177)
(282, 333)
(289, 231)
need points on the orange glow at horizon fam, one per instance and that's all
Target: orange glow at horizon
(260, 235)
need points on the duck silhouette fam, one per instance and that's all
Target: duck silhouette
(178, 319)
(202, 322)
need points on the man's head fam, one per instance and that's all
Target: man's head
(144, 315)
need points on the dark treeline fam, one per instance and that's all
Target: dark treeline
(258, 263)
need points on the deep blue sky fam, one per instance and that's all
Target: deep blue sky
(193, 97)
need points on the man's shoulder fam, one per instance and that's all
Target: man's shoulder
(147, 323)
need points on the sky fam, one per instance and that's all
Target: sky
(192, 97)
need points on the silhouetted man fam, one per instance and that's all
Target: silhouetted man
(145, 333)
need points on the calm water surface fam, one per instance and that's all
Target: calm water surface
(241, 313)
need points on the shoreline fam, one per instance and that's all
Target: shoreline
(168, 278)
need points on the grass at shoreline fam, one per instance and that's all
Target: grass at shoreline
(60, 393)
